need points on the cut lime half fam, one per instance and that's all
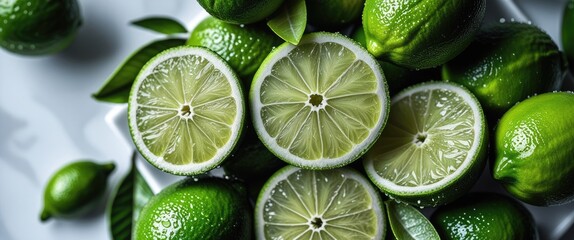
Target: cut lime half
(320, 104)
(186, 110)
(432, 149)
(307, 204)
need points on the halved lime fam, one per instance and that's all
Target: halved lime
(320, 104)
(308, 204)
(432, 149)
(186, 110)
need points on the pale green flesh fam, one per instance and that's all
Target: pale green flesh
(170, 133)
(350, 109)
(343, 205)
(448, 122)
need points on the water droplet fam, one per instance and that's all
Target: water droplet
(502, 20)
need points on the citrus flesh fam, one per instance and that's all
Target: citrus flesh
(307, 204)
(432, 149)
(534, 150)
(242, 46)
(35, 27)
(422, 33)
(206, 208)
(505, 64)
(484, 216)
(320, 104)
(186, 110)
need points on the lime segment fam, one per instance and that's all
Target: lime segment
(186, 110)
(434, 140)
(319, 104)
(306, 204)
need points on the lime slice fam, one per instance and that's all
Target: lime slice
(432, 150)
(320, 104)
(307, 204)
(186, 110)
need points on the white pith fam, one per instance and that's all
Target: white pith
(283, 174)
(236, 94)
(465, 165)
(322, 163)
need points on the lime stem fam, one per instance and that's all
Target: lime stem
(109, 167)
(45, 215)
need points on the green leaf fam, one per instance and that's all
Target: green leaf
(117, 87)
(408, 223)
(290, 21)
(127, 201)
(161, 25)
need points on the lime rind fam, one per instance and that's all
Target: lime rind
(373, 131)
(223, 149)
(452, 185)
(291, 172)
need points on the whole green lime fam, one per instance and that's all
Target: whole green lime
(484, 216)
(420, 33)
(333, 14)
(243, 47)
(399, 78)
(534, 151)
(38, 27)
(240, 11)
(207, 208)
(75, 189)
(505, 64)
(568, 33)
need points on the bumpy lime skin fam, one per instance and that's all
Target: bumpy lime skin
(505, 64)
(75, 189)
(484, 216)
(38, 27)
(420, 34)
(207, 208)
(242, 47)
(534, 151)
(240, 11)
(568, 33)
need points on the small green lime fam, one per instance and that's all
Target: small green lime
(75, 189)
(534, 151)
(37, 27)
(207, 208)
(240, 11)
(243, 47)
(420, 34)
(505, 64)
(333, 14)
(568, 33)
(484, 216)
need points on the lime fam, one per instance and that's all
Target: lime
(420, 33)
(320, 104)
(307, 204)
(243, 46)
(333, 14)
(186, 110)
(484, 216)
(398, 78)
(409, 223)
(505, 64)
(568, 33)
(240, 11)
(207, 208)
(37, 27)
(432, 149)
(534, 151)
(75, 189)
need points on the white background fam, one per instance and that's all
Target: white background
(47, 117)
